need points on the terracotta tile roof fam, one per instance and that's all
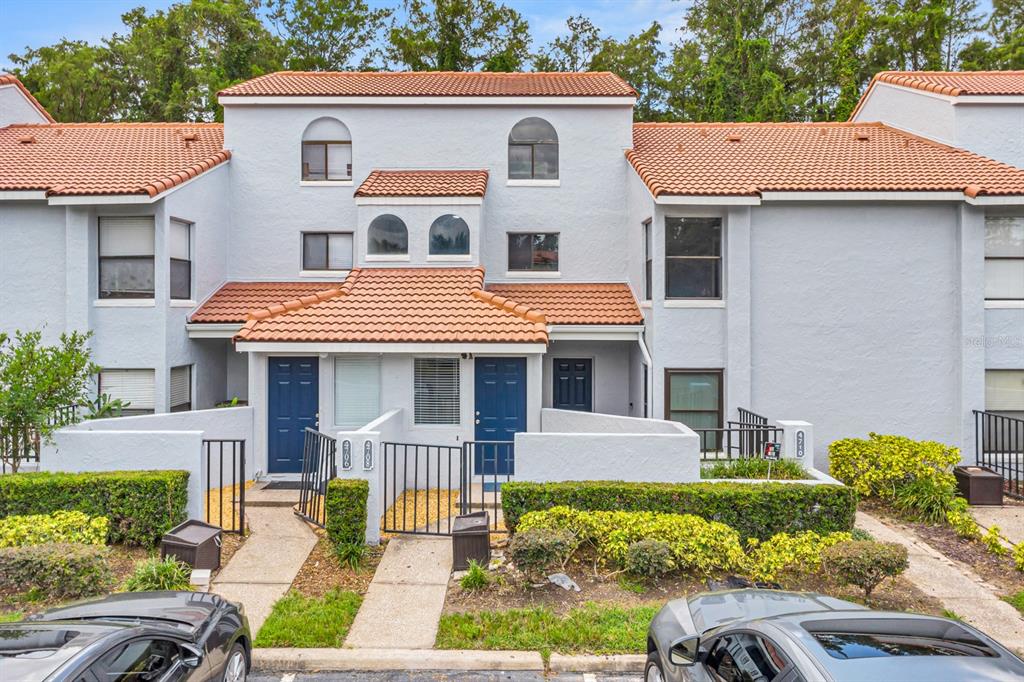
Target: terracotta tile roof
(565, 303)
(8, 79)
(424, 183)
(951, 83)
(431, 84)
(749, 158)
(107, 158)
(233, 301)
(400, 305)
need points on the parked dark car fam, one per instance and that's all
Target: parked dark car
(773, 636)
(140, 636)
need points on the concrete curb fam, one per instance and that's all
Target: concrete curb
(310, 660)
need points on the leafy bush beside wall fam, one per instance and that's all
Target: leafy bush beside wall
(755, 510)
(61, 526)
(345, 505)
(141, 505)
(57, 571)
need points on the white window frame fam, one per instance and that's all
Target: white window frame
(131, 299)
(454, 418)
(190, 228)
(327, 268)
(1002, 259)
(694, 300)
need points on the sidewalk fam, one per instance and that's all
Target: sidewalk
(959, 588)
(404, 602)
(263, 569)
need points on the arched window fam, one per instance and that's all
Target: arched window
(449, 236)
(326, 151)
(533, 150)
(388, 236)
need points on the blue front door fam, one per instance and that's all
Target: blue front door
(292, 404)
(500, 412)
(573, 384)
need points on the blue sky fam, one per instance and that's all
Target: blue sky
(40, 22)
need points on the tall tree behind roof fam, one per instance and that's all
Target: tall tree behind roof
(328, 35)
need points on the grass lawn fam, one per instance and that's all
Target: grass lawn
(304, 622)
(592, 628)
(10, 617)
(1016, 601)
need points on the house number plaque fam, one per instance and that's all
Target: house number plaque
(346, 454)
(368, 456)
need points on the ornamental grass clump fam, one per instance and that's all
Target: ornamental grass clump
(864, 563)
(159, 574)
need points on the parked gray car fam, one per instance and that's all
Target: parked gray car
(773, 636)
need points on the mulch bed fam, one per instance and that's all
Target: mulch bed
(322, 572)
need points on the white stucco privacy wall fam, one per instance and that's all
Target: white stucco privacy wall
(76, 450)
(359, 455)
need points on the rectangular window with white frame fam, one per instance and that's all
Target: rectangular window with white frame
(327, 160)
(326, 250)
(126, 251)
(436, 391)
(134, 387)
(693, 258)
(181, 388)
(533, 252)
(1004, 258)
(356, 390)
(180, 251)
(648, 260)
(1004, 392)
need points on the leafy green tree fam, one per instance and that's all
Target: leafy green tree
(909, 35)
(35, 382)
(830, 57)
(74, 80)
(1003, 47)
(328, 35)
(459, 35)
(964, 23)
(571, 52)
(640, 61)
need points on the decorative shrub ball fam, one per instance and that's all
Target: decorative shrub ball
(649, 558)
(864, 563)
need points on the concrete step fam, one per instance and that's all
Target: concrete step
(259, 496)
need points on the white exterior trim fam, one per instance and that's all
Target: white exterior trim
(594, 332)
(534, 183)
(453, 258)
(694, 303)
(325, 183)
(387, 258)
(419, 201)
(1010, 200)
(336, 274)
(124, 303)
(408, 348)
(182, 303)
(533, 274)
(207, 330)
(703, 200)
(1004, 305)
(23, 195)
(230, 100)
(863, 196)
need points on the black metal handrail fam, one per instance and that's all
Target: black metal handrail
(750, 418)
(735, 441)
(999, 446)
(318, 468)
(232, 453)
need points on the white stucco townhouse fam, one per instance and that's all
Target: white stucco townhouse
(473, 247)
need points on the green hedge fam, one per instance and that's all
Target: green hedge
(346, 510)
(141, 505)
(56, 571)
(755, 510)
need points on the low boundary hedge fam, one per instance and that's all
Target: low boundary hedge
(141, 505)
(345, 505)
(58, 570)
(755, 510)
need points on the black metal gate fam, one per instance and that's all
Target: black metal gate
(318, 468)
(427, 486)
(225, 484)
(999, 446)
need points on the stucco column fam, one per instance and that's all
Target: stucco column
(162, 296)
(79, 257)
(737, 310)
(534, 390)
(798, 442)
(359, 456)
(971, 221)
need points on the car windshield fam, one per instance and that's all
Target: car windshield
(33, 652)
(850, 639)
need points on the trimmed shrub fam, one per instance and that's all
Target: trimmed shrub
(864, 563)
(62, 526)
(536, 550)
(786, 554)
(697, 545)
(345, 506)
(879, 465)
(56, 570)
(756, 468)
(159, 574)
(757, 510)
(649, 558)
(141, 505)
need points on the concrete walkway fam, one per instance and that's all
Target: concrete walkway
(954, 584)
(263, 569)
(406, 596)
(1009, 518)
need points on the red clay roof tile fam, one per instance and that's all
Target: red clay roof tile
(424, 183)
(107, 158)
(700, 159)
(9, 79)
(233, 301)
(951, 83)
(571, 303)
(431, 84)
(406, 305)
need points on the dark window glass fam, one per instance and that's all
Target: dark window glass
(181, 279)
(533, 150)
(126, 277)
(533, 251)
(648, 270)
(743, 657)
(693, 258)
(314, 252)
(326, 161)
(327, 251)
(137, 661)
(388, 236)
(694, 398)
(449, 235)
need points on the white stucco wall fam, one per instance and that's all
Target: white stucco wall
(911, 110)
(1004, 338)
(610, 367)
(16, 108)
(992, 130)
(32, 264)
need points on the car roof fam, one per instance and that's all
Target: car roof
(710, 610)
(182, 610)
(31, 651)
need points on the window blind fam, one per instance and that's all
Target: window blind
(126, 236)
(356, 391)
(436, 388)
(179, 241)
(181, 386)
(133, 385)
(1004, 390)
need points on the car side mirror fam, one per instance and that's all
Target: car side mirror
(685, 651)
(191, 657)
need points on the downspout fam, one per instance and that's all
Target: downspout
(649, 363)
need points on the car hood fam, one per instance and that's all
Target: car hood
(190, 609)
(713, 609)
